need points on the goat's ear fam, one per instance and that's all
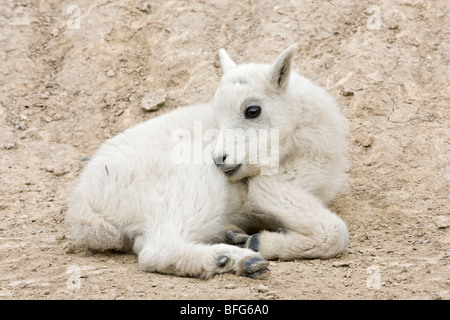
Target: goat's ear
(225, 61)
(281, 68)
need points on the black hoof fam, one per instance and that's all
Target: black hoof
(254, 264)
(253, 242)
(236, 237)
(256, 268)
(222, 261)
(259, 275)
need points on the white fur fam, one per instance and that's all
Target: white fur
(132, 196)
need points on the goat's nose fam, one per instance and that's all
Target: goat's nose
(220, 159)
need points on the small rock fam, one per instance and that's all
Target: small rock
(365, 140)
(61, 171)
(144, 7)
(48, 119)
(110, 98)
(110, 73)
(363, 237)
(230, 286)
(436, 296)
(44, 248)
(262, 288)
(152, 101)
(71, 249)
(442, 222)
(401, 277)
(23, 284)
(49, 169)
(339, 264)
(21, 125)
(346, 93)
(44, 95)
(9, 146)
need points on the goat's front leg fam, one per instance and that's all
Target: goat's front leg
(302, 227)
(176, 256)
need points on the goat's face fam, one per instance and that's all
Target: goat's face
(248, 108)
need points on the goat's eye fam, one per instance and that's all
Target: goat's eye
(252, 112)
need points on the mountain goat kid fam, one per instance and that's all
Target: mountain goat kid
(176, 213)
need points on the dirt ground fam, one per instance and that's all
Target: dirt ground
(73, 73)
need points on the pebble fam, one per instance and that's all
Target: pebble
(10, 146)
(230, 286)
(340, 264)
(70, 249)
(346, 93)
(110, 73)
(262, 288)
(144, 7)
(153, 101)
(110, 97)
(48, 119)
(44, 95)
(60, 171)
(436, 296)
(442, 222)
(19, 284)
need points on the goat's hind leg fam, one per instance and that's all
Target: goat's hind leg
(90, 230)
(235, 235)
(310, 239)
(187, 259)
(305, 228)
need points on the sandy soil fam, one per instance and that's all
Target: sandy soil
(73, 76)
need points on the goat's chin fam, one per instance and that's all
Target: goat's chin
(244, 172)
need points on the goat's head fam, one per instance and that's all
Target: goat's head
(252, 111)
